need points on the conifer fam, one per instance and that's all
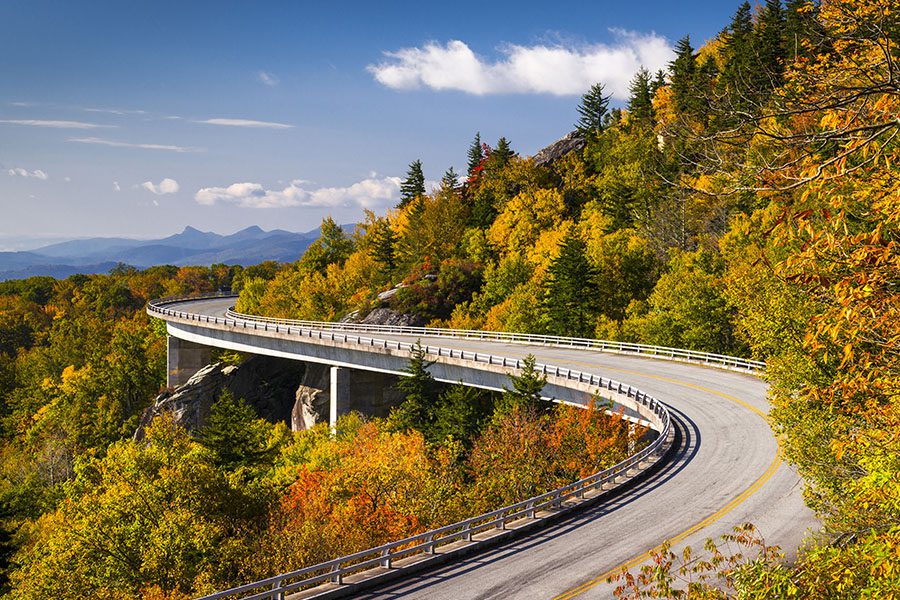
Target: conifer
(414, 185)
(593, 110)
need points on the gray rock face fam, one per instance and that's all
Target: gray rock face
(312, 400)
(386, 316)
(570, 143)
(268, 384)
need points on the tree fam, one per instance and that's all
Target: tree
(501, 154)
(570, 289)
(593, 110)
(421, 391)
(235, 435)
(332, 247)
(450, 180)
(384, 246)
(683, 73)
(640, 101)
(414, 185)
(770, 48)
(475, 157)
(526, 389)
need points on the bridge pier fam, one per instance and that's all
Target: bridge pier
(339, 393)
(184, 359)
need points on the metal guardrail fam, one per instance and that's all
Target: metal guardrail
(334, 570)
(663, 352)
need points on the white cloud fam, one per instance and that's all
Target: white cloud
(166, 186)
(267, 78)
(559, 70)
(116, 111)
(54, 124)
(246, 123)
(115, 144)
(67, 179)
(116, 187)
(368, 193)
(20, 172)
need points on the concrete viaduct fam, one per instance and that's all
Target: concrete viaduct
(724, 466)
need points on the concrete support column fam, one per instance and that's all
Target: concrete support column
(183, 359)
(340, 394)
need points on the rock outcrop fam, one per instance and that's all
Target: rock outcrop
(570, 143)
(387, 316)
(268, 384)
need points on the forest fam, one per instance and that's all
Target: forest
(745, 201)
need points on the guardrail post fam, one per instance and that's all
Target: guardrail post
(279, 593)
(386, 558)
(337, 575)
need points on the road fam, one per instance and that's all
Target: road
(726, 469)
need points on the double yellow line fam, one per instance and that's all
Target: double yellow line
(578, 590)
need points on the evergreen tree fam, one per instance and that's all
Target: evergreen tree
(234, 434)
(593, 110)
(770, 48)
(475, 156)
(739, 58)
(414, 185)
(384, 246)
(684, 70)
(658, 82)
(499, 156)
(526, 389)
(417, 411)
(570, 290)
(450, 180)
(640, 101)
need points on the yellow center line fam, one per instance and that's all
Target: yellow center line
(770, 471)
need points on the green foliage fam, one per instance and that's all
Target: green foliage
(414, 185)
(570, 290)
(593, 111)
(332, 247)
(235, 436)
(417, 411)
(640, 100)
(475, 157)
(433, 296)
(526, 390)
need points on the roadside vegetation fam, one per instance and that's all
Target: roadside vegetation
(746, 201)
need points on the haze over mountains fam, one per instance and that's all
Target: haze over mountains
(190, 247)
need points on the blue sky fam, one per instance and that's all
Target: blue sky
(125, 118)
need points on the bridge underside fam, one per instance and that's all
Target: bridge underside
(351, 356)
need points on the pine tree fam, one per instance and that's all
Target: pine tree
(640, 102)
(526, 389)
(384, 246)
(475, 156)
(570, 290)
(684, 71)
(593, 109)
(658, 82)
(417, 411)
(414, 185)
(234, 434)
(738, 51)
(500, 155)
(450, 180)
(770, 48)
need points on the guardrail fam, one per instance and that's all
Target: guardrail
(663, 352)
(382, 556)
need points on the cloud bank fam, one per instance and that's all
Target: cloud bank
(557, 70)
(166, 186)
(373, 192)
(246, 123)
(20, 172)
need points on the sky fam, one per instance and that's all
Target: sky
(140, 118)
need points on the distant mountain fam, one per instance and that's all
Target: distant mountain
(190, 247)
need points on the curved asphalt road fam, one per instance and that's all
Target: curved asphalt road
(726, 469)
